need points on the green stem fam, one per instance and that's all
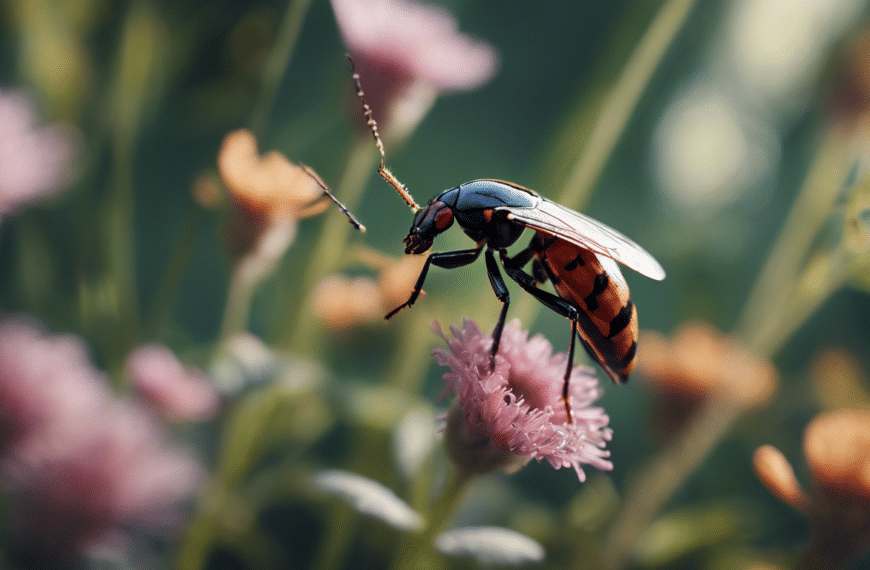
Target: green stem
(766, 303)
(173, 275)
(622, 101)
(276, 64)
(662, 477)
(300, 327)
(414, 550)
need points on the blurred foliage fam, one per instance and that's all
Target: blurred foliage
(129, 256)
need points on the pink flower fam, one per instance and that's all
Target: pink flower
(79, 465)
(80, 485)
(34, 161)
(504, 417)
(43, 379)
(176, 392)
(406, 53)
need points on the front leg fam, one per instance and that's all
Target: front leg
(447, 260)
(501, 291)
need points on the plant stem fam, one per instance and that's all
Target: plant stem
(766, 303)
(660, 478)
(622, 101)
(276, 64)
(300, 328)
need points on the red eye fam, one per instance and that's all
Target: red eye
(443, 219)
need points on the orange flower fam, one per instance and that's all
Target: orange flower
(342, 302)
(268, 184)
(697, 365)
(837, 450)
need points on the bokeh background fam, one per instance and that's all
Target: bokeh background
(747, 99)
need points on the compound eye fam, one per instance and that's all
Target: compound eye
(443, 218)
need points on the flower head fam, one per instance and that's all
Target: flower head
(80, 466)
(176, 392)
(34, 161)
(503, 417)
(43, 379)
(697, 365)
(406, 53)
(837, 450)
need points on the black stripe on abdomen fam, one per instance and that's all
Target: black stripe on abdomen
(621, 320)
(598, 287)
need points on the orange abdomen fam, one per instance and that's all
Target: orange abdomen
(593, 284)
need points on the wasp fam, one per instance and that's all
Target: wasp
(576, 253)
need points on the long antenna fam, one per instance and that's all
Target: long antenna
(370, 121)
(326, 191)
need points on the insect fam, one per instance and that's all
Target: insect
(576, 253)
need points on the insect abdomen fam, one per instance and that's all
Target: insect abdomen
(594, 285)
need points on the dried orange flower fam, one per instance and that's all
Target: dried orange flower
(837, 450)
(702, 362)
(697, 365)
(776, 473)
(341, 302)
(268, 184)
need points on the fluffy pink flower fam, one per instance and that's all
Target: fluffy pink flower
(43, 379)
(79, 466)
(406, 53)
(77, 486)
(504, 417)
(34, 161)
(175, 391)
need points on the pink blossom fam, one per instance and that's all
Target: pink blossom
(503, 417)
(43, 379)
(80, 466)
(175, 391)
(34, 161)
(79, 485)
(406, 52)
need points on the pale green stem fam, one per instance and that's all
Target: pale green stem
(238, 306)
(413, 551)
(331, 247)
(786, 294)
(613, 118)
(173, 275)
(276, 64)
(622, 101)
(660, 478)
(812, 207)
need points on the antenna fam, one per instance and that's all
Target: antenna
(326, 191)
(370, 121)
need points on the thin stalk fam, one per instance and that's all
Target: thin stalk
(811, 208)
(277, 62)
(662, 477)
(412, 552)
(173, 275)
(300, 326)
(622, 101)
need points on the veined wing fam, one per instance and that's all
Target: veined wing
(588, 233)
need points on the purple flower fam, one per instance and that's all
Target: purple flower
(175, 391)
(80, 466)
(43, 380)
(34, 161)
(406, 53)
(504, 417)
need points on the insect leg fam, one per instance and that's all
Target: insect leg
(447, 260)
(552, 302)
(501, 291)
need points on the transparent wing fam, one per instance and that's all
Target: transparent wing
(591, 234)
